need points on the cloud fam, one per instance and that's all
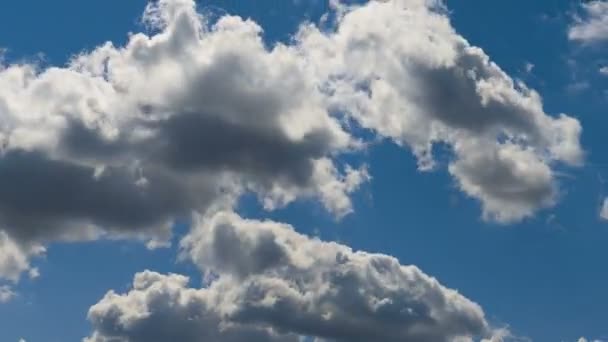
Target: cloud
(604, 210)
(263, 275)
(592, 26)
(124, 140)
(162, 308)
(582, 339)
(6, 294)
(528, 67)
(431, 86)
(14, 258)
(510, 181)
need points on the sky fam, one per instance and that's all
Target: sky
(222, 170)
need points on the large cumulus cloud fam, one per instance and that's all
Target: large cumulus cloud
(190, 115)
(400, 69)
(124, 140)
(264, 276)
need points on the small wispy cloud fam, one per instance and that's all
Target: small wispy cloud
(6, 294)
(604, 210)
(592, 26)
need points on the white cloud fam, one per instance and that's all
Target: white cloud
(162, 308)
(604, 210)
(266, 277)
(14, 258)
(127, 139)
(431, 86)
(528, 67)
(6, 293)
(592, 26)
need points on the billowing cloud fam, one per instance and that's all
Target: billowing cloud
(399, 69)
(592, 26)
(162, 308)
(124, 140)
(266, 277)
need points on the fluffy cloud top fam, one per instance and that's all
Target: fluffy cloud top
(162, 308)
(592, 26)
(264, 277)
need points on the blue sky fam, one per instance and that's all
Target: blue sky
(542, 276)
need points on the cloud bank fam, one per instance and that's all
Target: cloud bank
(184, 119)
(124, 140)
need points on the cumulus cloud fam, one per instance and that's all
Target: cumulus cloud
(162, 308)
(592, 26)
(124, 140)
(264, 276)
(431, 86)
